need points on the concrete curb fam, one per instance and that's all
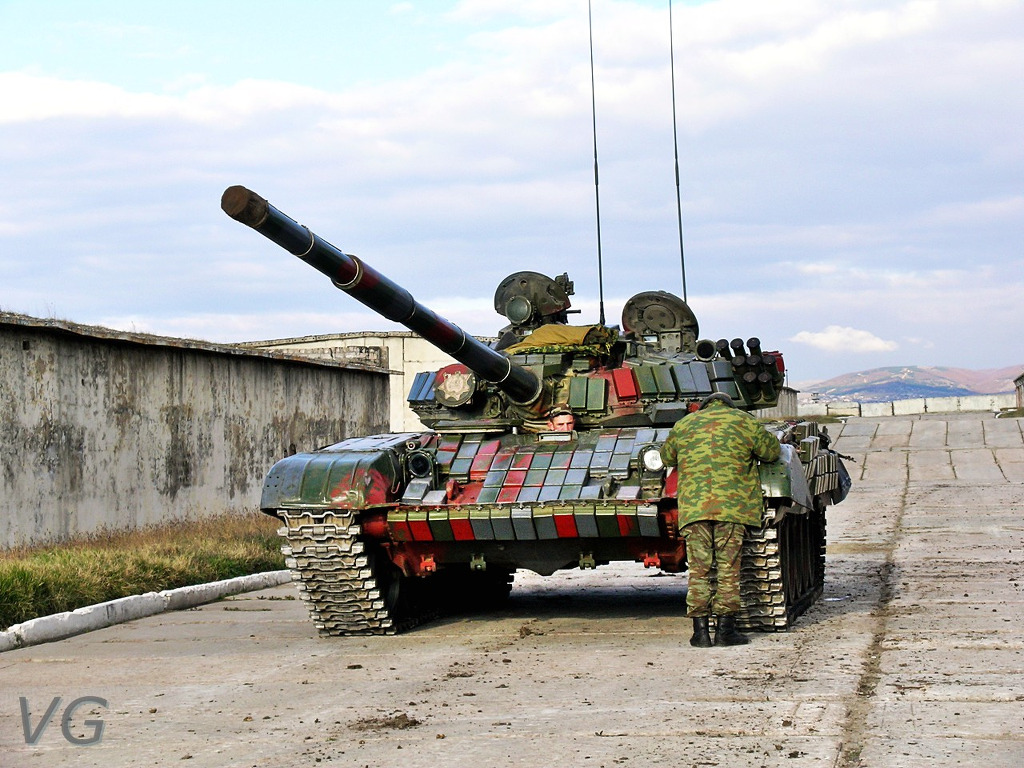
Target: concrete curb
(46, 629)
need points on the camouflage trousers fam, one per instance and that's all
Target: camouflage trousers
(713, 554)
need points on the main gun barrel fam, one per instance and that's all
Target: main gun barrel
(367, 285)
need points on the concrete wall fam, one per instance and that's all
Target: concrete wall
(1019, 384)
(965, 403)
(787, 406)
(100, 429)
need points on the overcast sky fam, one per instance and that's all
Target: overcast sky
(852, 172)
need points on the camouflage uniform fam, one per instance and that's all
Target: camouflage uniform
(714, 451)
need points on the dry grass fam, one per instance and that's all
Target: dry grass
(38, 581)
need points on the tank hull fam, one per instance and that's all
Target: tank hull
(377, 549)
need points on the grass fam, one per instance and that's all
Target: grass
(38, 581)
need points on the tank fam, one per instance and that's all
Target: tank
(383, 532)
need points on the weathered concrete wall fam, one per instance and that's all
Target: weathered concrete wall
(913, 406)
(1018, 383)
(787, 406)
(100, 429)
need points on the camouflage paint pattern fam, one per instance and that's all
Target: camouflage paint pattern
(714, 451)
(713, 547)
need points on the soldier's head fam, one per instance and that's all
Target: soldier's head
(561, 419)
(717, 397)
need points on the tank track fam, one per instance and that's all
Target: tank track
(350, 590)
(347, 589)
(783, 570)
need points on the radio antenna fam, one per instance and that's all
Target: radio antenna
(597, 188)
(675, 143)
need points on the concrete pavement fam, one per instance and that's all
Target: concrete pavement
(914, 656)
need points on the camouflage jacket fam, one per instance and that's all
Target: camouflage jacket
(715, 451)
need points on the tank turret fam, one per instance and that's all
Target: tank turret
(646, 375)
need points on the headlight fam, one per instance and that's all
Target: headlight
(420, 464)
(650, 459)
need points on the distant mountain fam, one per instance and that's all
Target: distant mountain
(880, 385)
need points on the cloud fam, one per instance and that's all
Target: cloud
(34, 98)
(853, 166)
(980, 212)
(838, 338)
(532, 10)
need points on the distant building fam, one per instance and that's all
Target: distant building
(403, 352)
(1019, 384)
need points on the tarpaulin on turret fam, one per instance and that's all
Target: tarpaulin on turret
(595, 339)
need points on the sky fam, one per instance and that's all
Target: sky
(851, 173)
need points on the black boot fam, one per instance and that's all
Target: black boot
(701, 638)
(726, 632)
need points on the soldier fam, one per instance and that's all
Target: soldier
(715, 451)
(561, 419)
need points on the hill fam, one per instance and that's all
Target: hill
(880, 385)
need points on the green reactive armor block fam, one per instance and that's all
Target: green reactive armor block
(721, 370)
(416, 490)
(684, 379)
(440, 528)
(527, 495)
(728, 388)
(647, 520)
(501, 523)
(600, 462)
(535, 476)
(607, 521)
(578, 394)
(522, 524)
(544, 522)
(586, 521)
(597, 394)
(549, 493)
(663, 381)
(701, 380)
(480, 520)
(488, 494)
(569, 492)
(645, 378)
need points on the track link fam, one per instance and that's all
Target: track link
(783, 570)
(348, 590)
